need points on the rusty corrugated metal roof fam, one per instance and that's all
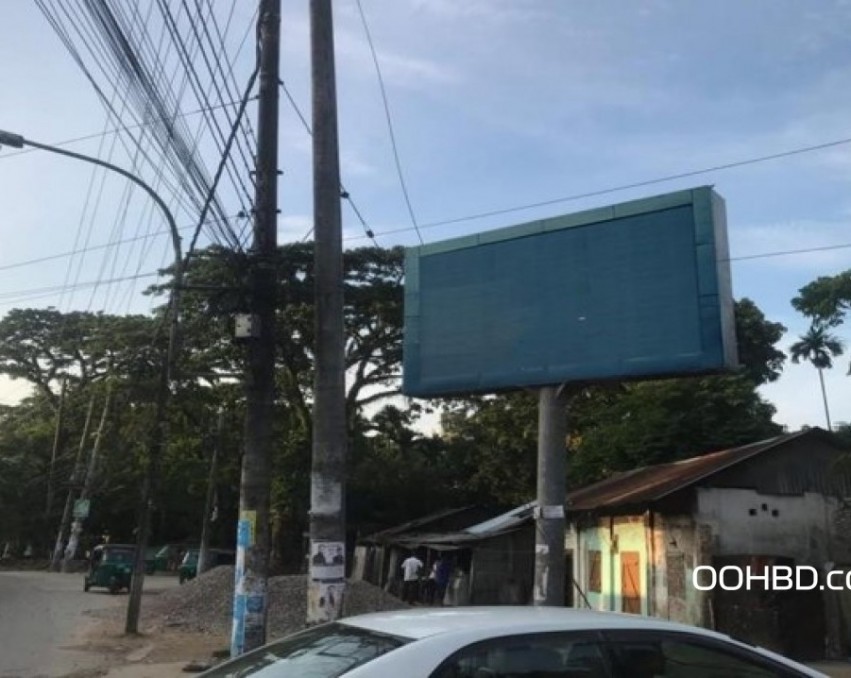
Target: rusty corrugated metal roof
(651, 483)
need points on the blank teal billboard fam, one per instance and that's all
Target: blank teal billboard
(636, 290)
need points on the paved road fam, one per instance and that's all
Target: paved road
(41, 615)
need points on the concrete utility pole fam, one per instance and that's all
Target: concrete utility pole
(85, 493)
(252, 563)
(549, 517)
(156, 443)
(211, 491)
(57, 443)
(326, 582)
(76, 472)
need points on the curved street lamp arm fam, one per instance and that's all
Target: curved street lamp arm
(172, 225)
(18, 141)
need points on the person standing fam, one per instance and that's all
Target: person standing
(442, 572)
(430, 586)
(411, 567)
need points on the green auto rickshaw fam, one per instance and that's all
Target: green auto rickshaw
(110, 567)
(188, 566)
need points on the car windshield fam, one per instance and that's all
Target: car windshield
(326, 651)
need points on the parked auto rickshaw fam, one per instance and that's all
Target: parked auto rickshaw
(110, 567)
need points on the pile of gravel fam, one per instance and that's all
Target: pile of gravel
(205, 604)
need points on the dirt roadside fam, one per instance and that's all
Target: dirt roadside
(189, 625)
(153, 653)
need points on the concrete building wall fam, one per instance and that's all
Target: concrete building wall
(745, 522)
(679, 546)
(610, 538)
(359, 559)
(670, 548)
(502, 569)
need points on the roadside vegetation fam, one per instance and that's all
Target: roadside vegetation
(484, 452)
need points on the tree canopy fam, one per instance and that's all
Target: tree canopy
(826, 299)
(485, 453)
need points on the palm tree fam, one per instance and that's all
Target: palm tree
(819, 347)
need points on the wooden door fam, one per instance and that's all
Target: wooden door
(630, 582)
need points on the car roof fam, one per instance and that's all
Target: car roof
(417, 623)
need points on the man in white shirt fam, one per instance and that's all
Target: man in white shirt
(411, 567)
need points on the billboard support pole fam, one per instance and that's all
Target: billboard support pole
(552, 487)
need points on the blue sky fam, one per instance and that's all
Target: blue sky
(495, 104)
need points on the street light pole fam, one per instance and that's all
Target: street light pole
(165, 376)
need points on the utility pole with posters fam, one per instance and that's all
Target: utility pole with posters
(204, 549)
(250, 609)
(326, 580)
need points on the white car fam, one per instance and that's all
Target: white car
(507, 642)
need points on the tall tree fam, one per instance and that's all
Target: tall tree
(397, 473)
(659, 422)
(46, 346)
(373, 316)
(757, 339)
(818, 347)
(826, 299)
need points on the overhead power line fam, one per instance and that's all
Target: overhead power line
(622, 187)
(344, 194)
(235, 127)
(19, 296)
(386, 103)
(52, 290)
(783, 253)
(56, 289)
(126, 128)
(94, 248)
(123, 49)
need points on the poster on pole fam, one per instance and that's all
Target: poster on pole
(247, 621)
(327, 561)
